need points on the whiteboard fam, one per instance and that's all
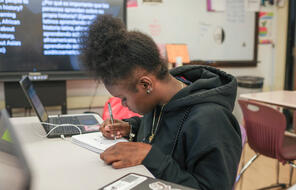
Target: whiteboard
(189, 22)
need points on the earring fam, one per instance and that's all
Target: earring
(148, 91)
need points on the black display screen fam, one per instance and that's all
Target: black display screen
(43, 35)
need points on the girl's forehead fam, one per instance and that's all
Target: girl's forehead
(117, 89)
(118, 84)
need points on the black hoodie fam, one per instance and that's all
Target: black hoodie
(198, 142)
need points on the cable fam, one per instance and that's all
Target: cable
(57, 126)
(63, 137)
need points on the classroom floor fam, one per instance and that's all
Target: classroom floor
(262, 173)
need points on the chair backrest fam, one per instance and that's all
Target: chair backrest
(118, 110)
(265, 127)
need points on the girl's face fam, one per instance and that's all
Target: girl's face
(136, 100)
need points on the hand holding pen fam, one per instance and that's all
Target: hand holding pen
(113, 128)
(111, 117)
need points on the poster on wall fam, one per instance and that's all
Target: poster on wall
(155, 28)
(216, 5)
(152, 1)
(265, 27)
(252, 5)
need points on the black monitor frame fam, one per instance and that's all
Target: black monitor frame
(53, 75)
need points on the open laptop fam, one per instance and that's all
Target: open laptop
(55, 126)
(15, 173)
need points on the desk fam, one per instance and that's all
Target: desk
(282, 98)
(293, 187)
(60, 164)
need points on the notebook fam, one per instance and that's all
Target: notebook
(95, 142)
(55, 126)
(15, 173)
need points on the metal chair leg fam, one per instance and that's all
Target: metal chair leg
(283, 186)
(243, 163)
(246, 166)
(292, 164)
(291, 171)
(291, 175)
(278, 172)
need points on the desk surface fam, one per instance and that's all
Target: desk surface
(283, 98)
(60, 164)
(293, 187)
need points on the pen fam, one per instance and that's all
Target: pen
(111, 116)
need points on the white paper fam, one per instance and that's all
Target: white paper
(95, 141)
(281, 3)
(203, 30)
(218, 5)
(235, 11)
(252, 5)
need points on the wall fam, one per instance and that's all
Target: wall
(271, 66)
(190, 23)
(271, 58)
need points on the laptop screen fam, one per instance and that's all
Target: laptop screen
(33, 98)
(15, 173)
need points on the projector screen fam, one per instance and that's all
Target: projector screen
(41, 37)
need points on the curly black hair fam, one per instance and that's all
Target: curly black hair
(112, 53)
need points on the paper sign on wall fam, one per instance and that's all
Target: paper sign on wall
(175, 51)
(132, 3)
(216, 5)
(265, 27)
(252, 5)
(152, 1)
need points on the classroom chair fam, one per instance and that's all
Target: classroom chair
(265, 127)
(118, 110)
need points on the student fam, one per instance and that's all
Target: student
(187, 134)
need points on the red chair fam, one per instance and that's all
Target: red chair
(265, 127)
(118, 111)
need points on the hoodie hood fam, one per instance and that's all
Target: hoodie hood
(209, 85)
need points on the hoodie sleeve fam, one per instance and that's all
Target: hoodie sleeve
(211, 150)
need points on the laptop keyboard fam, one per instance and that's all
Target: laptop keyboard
(61, 120)
(63, 130)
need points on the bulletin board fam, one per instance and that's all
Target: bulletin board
(189, 22)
